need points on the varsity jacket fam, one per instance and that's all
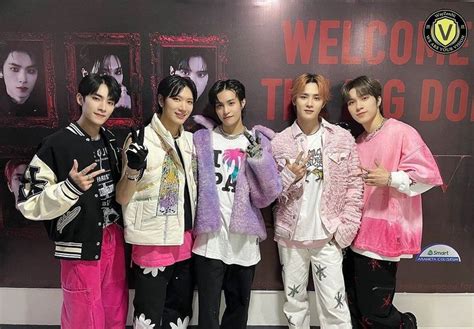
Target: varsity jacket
(257, 186)
(154, 216)
(341, 201)
(73, 219)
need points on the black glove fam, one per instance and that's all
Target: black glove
(254, 150)
(137, 152)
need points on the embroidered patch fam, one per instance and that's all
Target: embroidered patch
(180, 324)
(142, 322)
(294, 290)
(339, 300)
(153, 270)
(30, 185)
(67, 218)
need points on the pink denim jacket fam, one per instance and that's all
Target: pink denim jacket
(342, 197)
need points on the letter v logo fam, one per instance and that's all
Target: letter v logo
(445, 35)
(445, 30)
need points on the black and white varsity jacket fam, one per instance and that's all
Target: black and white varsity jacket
(74, 219)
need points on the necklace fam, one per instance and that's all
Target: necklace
(372, 134)
(230, 136)
(315, 132)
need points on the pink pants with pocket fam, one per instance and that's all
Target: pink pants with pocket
(95, 293)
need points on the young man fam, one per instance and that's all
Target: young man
(158, 195)
(397, 167)
(318, 212)
(70, 183)
(236, 176)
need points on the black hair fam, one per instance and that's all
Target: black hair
(231, 84)
(101, 60)
(179, 57)
(363, 85)
(7, 47)
(183, 63)
(36, 99)
(91, 83)
(172, 85)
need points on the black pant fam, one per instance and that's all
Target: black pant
(164, 295)
(213, 276)
(370, 287)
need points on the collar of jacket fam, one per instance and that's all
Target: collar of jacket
(77, 130)
(296, 130)
(109, 140)
(158, 127)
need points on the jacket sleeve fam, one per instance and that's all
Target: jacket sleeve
(264, 181)
(352, 212)
(41, 196)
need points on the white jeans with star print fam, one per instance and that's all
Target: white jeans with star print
(331, 304)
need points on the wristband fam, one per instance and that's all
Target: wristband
(132, 177)
(389, 180)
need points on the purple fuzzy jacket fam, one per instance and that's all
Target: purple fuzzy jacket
(258, 185)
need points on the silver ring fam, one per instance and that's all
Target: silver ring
(89, 177)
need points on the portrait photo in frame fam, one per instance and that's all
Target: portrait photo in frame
(25, 240)
(27, 81)
(201, 58)
(114, 54)
(13, 162)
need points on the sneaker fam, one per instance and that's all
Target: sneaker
(409, 321)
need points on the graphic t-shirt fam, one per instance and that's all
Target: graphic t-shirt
(231, 248)
(105, 183)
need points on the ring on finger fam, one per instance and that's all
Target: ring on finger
(89, 177)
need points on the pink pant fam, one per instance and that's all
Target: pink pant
(95, 293)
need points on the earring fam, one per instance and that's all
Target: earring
(1, 75)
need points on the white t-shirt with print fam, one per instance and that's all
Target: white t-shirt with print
(231, 248)
(310, 225)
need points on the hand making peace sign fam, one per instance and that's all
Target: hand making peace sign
(298, 167)
(85, 177)
(254, 150)
(137, 152)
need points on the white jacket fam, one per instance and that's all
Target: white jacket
(155, 213)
